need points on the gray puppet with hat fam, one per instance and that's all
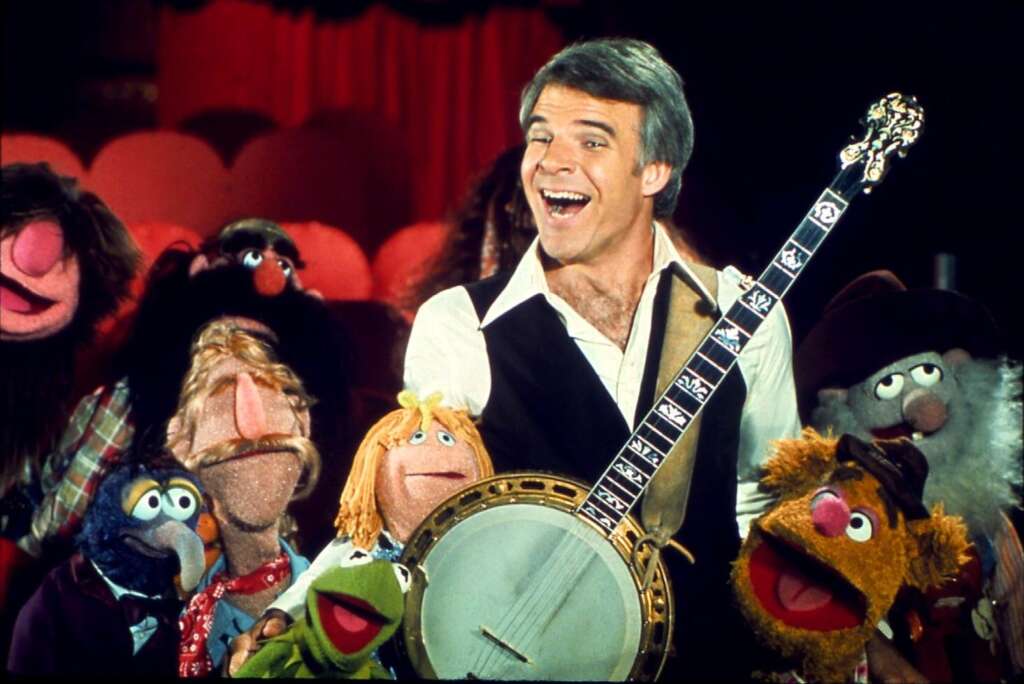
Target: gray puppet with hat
(885, 362)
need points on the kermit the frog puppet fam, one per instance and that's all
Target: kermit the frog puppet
(351, 610)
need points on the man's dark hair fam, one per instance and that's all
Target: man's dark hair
(633, 71)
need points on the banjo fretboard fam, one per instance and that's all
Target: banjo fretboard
(672, 413)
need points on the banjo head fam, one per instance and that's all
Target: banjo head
(508, 583)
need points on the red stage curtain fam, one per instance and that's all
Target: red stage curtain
(450, 91)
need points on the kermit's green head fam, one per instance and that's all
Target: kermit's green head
(357, 606)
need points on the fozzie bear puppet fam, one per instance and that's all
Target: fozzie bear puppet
(821, 568)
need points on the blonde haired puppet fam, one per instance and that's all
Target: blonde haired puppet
(410, 461)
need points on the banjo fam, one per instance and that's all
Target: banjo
(534, 577)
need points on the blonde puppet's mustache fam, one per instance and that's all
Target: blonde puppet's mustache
(309, 456)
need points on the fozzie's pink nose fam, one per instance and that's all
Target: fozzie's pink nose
(38, 246)
(830, 515)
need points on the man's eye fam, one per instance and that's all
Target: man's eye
(593, 144)
(251, 258)
(418, 437)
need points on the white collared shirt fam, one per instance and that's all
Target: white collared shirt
(447, 354)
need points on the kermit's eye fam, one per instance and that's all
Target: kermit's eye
(356, 557)
(403, 576)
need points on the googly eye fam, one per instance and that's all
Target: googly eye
(889, 387)
(180, 503)
(446, 438)
(926, 374)
(252, 258)
(403, 576)
(418, 437)
(286, 267)
(861, 527)
(148, 506)
(356, 557)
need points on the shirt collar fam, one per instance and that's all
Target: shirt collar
(528, 278)
(116, 589)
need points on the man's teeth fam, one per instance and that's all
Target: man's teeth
(564, 195)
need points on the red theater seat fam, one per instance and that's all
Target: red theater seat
(25, 147)
(163, 176)
(227, 130)
(335, 263)
(403, 259)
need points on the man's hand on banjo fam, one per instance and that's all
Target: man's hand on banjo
(273, 623)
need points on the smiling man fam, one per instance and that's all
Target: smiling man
(560, 358)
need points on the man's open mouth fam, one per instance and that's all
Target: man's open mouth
(349, 622)
(16, 298)
(898, 430)
(801, 591)
(564, 202)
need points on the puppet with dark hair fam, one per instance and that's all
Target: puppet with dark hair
(112, 608)
(65, 263)
(185, 290)
(887, 362)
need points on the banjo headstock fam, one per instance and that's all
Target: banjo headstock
(893, 124)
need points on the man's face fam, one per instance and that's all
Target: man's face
(416, 476)
(581, 176)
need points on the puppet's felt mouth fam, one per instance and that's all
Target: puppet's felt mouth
(142, 547)
(17, 298)
(349, 622)
(801, 591)
(445, 474)
(898, 430)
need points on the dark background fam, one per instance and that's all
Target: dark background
(775, 91)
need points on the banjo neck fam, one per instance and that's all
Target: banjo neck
(893, 124)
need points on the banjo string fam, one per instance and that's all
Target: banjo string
(534, 610)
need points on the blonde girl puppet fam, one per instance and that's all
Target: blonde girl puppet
(410, 461)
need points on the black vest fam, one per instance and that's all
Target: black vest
(548, 411)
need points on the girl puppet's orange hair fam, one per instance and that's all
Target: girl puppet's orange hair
(358, 516)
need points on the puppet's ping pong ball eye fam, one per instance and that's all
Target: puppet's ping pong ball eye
(418, 437)
(926, 374)
(180, 503)
(889, 387)
(861, 527)
(148, 506)
(286, 267)
(446, 438)
(251, 258)
(403, 576)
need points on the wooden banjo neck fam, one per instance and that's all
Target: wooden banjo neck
(893, 124)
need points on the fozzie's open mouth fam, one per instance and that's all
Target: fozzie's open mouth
(801, 591)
